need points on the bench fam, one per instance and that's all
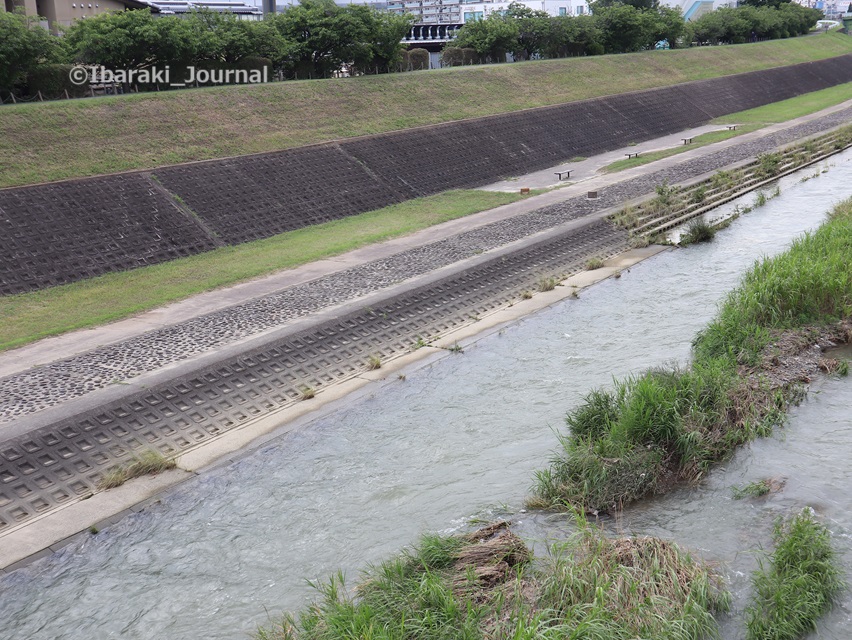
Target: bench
(634, 154)
(566, 173)
(687, 141)
(732, 127)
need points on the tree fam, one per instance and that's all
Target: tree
(636, 4)
(580, 36)
(533, 30)
(625, 28)
(670, 25)
(388, 30)
(323, 36)
(121, 40)
(491, 38)
(23, 45)
(762, 3)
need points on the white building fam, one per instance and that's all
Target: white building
(457, 12)
(435, 12)
(182, 7)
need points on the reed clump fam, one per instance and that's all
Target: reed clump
(488, 585)
(796, 583)
(698, 231)
(668, 425)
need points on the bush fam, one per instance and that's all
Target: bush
(419, 59)
(53, 80)
(452, 57)
(469, 56)
(697, 231)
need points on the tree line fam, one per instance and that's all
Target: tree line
(318, 38)
(624, 26)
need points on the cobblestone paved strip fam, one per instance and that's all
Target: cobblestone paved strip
(51, 384)
(57, 464)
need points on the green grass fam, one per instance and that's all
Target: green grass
(698, 231)
(749, 121)
(30, 316)
(792, 108)
(666, 425)
(65, 139)
(752, 489)
(796, 584)
(487, 585)
(698, 141)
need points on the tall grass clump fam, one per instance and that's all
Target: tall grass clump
(625, 588)
(697, 231)
(669, 425)
(810, 283)
(796, 584)
(148, 463)
(487, 585)
(446, 587)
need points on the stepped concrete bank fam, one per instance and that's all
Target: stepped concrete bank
(67, 231)
(219, 374)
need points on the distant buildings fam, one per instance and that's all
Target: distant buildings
(64, 12)
(182, 7)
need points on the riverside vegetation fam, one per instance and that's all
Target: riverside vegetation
(671, 424)
(795, 584)
(651, 430)
(487, 584)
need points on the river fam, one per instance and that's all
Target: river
(456, 439)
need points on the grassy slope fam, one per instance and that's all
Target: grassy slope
(51, 141)
(30, 316)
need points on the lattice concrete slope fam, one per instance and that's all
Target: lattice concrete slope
(63, 232)
(62, 462)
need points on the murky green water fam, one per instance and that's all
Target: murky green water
(459, 438)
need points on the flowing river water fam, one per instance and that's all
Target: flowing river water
(456, 439)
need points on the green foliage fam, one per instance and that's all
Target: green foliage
(124, 40)
(811, 282)
(491, 38)
(746, 23)
(483, 586)
(673, 423)
(697, 231)
(312, 39)
(768, 165)
(148, 463)
(599, 588)
(418, 59)
(53, 80)
(752, 489)
(796, 584)
(23, 45)
(452, 57)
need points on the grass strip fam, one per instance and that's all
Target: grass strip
(792, 108)
(670, 424)
(698, 141)
(74, 138)
(796, 584)
(30, 316)
(750, 120)
(487, 585)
